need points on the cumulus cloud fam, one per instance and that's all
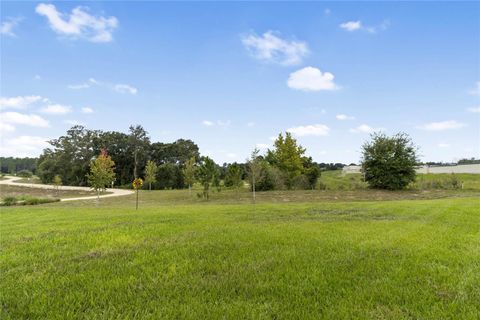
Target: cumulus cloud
(344, 117)
(271, 47)
(7, 26)
(442, 125)
(23, 146)
(474, 110)
(311, 79)
(19, 102)
(365, 128)
(56, 109)
(32, 120)
(207, 123)
(310, 130)
(79, 23)
(125, 88)
(220, 123)
(475, 91)
(87, 110)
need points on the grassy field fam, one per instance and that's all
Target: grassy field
(298, 259)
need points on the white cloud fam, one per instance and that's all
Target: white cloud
(56, 109)
(125, 88)
(476, 90)
(121, 88)
(87, 110)
(271, 48)
(6, 127)
(344, 117)
(19, 102)
(231, 155)
(442, 125)
(327, 12)
(474, 110)
(24, 119)
(23, 146)
(365, 128)
(443, 145)
(310, 130)
(357, 25)
(37, 77)
(7, 26)
(351, 25)
(79, 23)
(311, 79)
(207, 123)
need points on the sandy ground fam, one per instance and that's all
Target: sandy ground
(9, 180)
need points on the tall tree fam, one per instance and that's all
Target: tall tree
(139, 142)
(254, 170)
(207, 175)
(189, 173)
(101, 172)
(234, 176)
(389, 162)
(151, 173)
(287, 156)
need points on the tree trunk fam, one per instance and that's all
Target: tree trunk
(253, 188)
(150, 186)
(190, 190)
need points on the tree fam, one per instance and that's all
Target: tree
(255, 170)
(234, 175)
(139, 143)
(287, 156)
(389, 162)
(151, 173)
(101, 172)
(189, 173)
(57, 182)
(207, 175)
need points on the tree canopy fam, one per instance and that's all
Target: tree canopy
(389, 162)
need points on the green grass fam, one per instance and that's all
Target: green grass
(409, 259)
(469, 181)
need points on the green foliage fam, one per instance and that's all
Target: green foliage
(101, 172)
(25, 174)
(12, 165)
(169, 176)
(288, 157)
(151, 170)
(389, 162)
(207, 175)
(234, 176)
(9, 201)
(189, 172)
(450, 181)
(57, 181)
(272, 178)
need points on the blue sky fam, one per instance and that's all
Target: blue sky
(231, 76)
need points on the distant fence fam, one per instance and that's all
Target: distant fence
(462, 168)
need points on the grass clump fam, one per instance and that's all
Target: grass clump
(26, 201)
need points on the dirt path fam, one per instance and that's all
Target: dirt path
(9, 180)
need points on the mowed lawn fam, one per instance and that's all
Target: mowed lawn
(403, 259)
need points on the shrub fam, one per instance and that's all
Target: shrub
(301, 182)
(389, 162)
(9, 201)
(24, 173)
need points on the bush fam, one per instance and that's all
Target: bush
(301, 182)
(9, 201)
(24, 173)
(26, 201)
(389, 162)
(271, 179)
